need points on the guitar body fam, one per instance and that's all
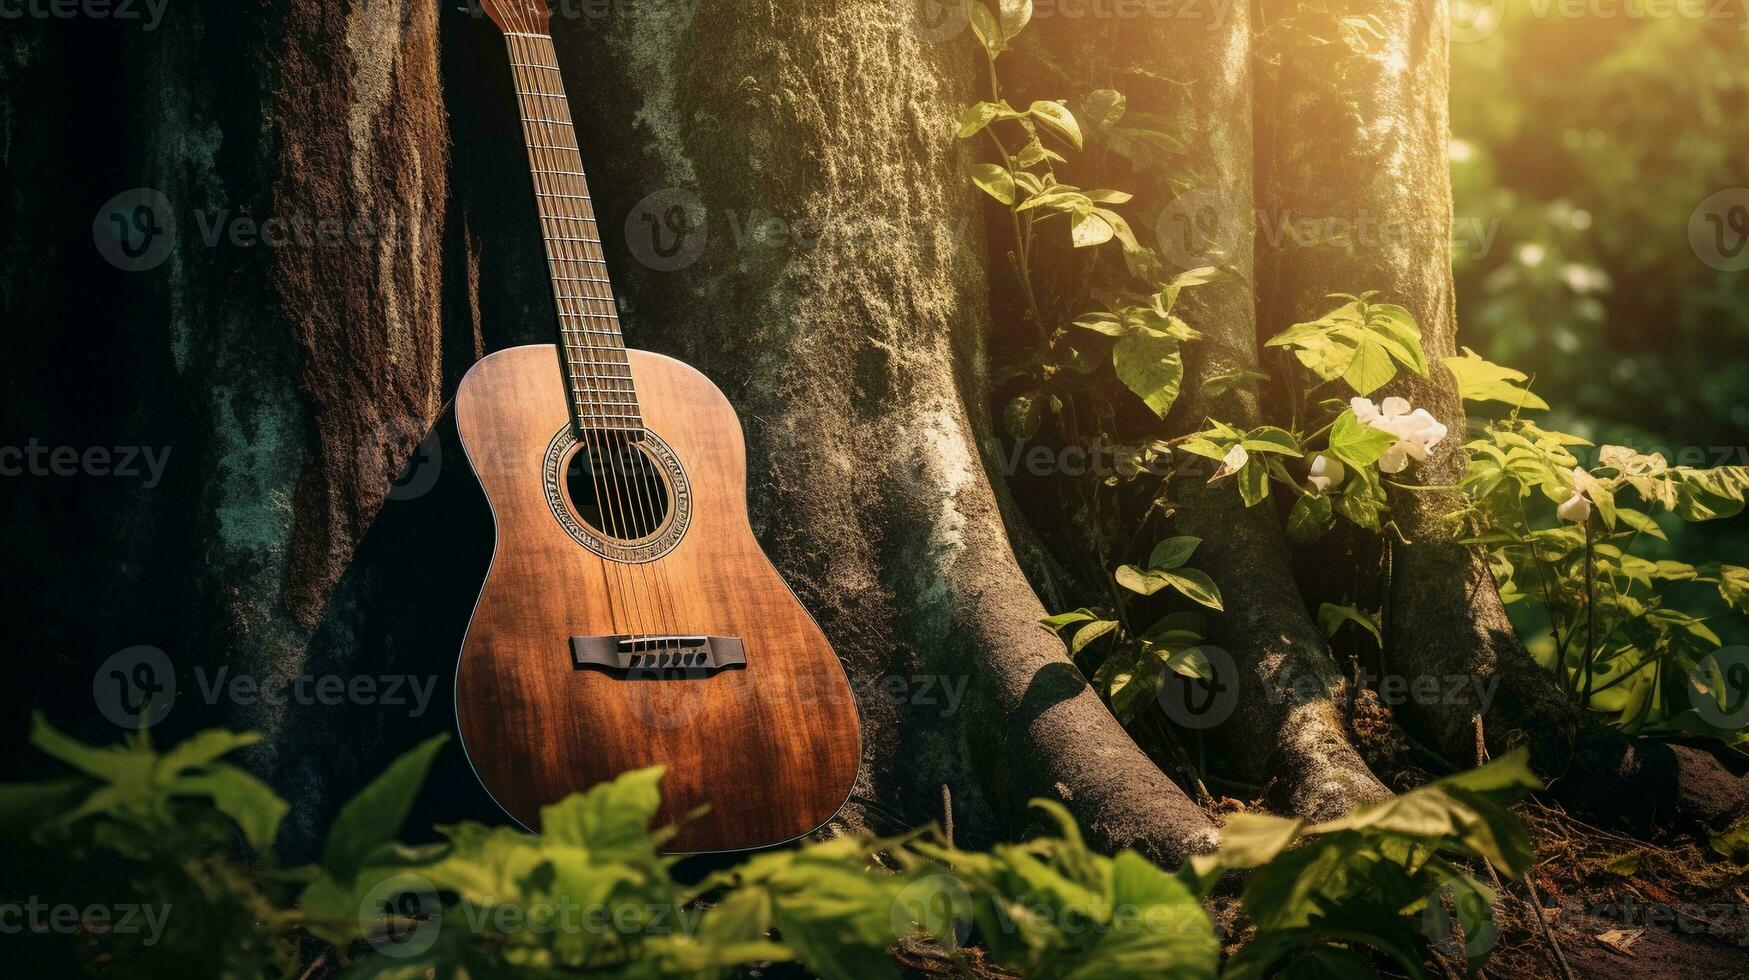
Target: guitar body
(771, 744)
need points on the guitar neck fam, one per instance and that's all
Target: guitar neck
(598, 377)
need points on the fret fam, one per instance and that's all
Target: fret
(595, 363)
(543, 37)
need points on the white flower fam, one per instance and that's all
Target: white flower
(1417, 431)
(1577, 509)
(1326, 472)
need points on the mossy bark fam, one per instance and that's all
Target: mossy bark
(1382, 123)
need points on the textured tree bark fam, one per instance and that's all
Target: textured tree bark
(1382, 124)
(1199, 75)
(838, 297)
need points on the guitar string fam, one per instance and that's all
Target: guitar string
(545, 167)
(611, 504)
(646, 489)
(632, 501)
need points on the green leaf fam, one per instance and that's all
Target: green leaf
(114, 764)
(202, 749)
(1088, 229)
(1061, 620)
(1331, 617)
(995, 181)
(611, 820)
(1092, 631)
(1057, 120)
(988, 31)
(1310, 517)
(1150, 366)
(1704, 495)
(373, 817)
(1481, 380)
(1369, 369)
(1253, 483)
(1271, 439)
(1173, 552)
(1356, 444)
(1014, 15)
(976, 117)
(240, 796)
(1195, 585)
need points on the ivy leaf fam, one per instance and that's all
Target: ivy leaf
(1358, 445)
(1173, 552)
(1310, 517)
(1015, 14)
(1195, 585)
(1150, 366)
(1087, 228)
(1057, 120)
(1061, 620)
(985, 26)
(1253, 483)
(1104, 107)
(1092, 631)
(976, 117)
(1331, 617)
(1481, 380)
(1271, 439)
(995, 181)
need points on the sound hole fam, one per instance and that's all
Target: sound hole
(616, 486)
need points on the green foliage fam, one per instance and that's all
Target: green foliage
(1360, 342)
(1322, 892)
(592, 896)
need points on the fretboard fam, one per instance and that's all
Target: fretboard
(592, 351)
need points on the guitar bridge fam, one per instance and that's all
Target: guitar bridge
(658, 657)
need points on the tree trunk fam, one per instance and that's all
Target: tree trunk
(1383, 126)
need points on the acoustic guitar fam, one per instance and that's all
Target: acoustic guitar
(629, 617)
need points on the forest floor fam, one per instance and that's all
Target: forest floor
(1618, 906)
(1614, 906)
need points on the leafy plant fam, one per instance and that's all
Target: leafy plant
(592, 896)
